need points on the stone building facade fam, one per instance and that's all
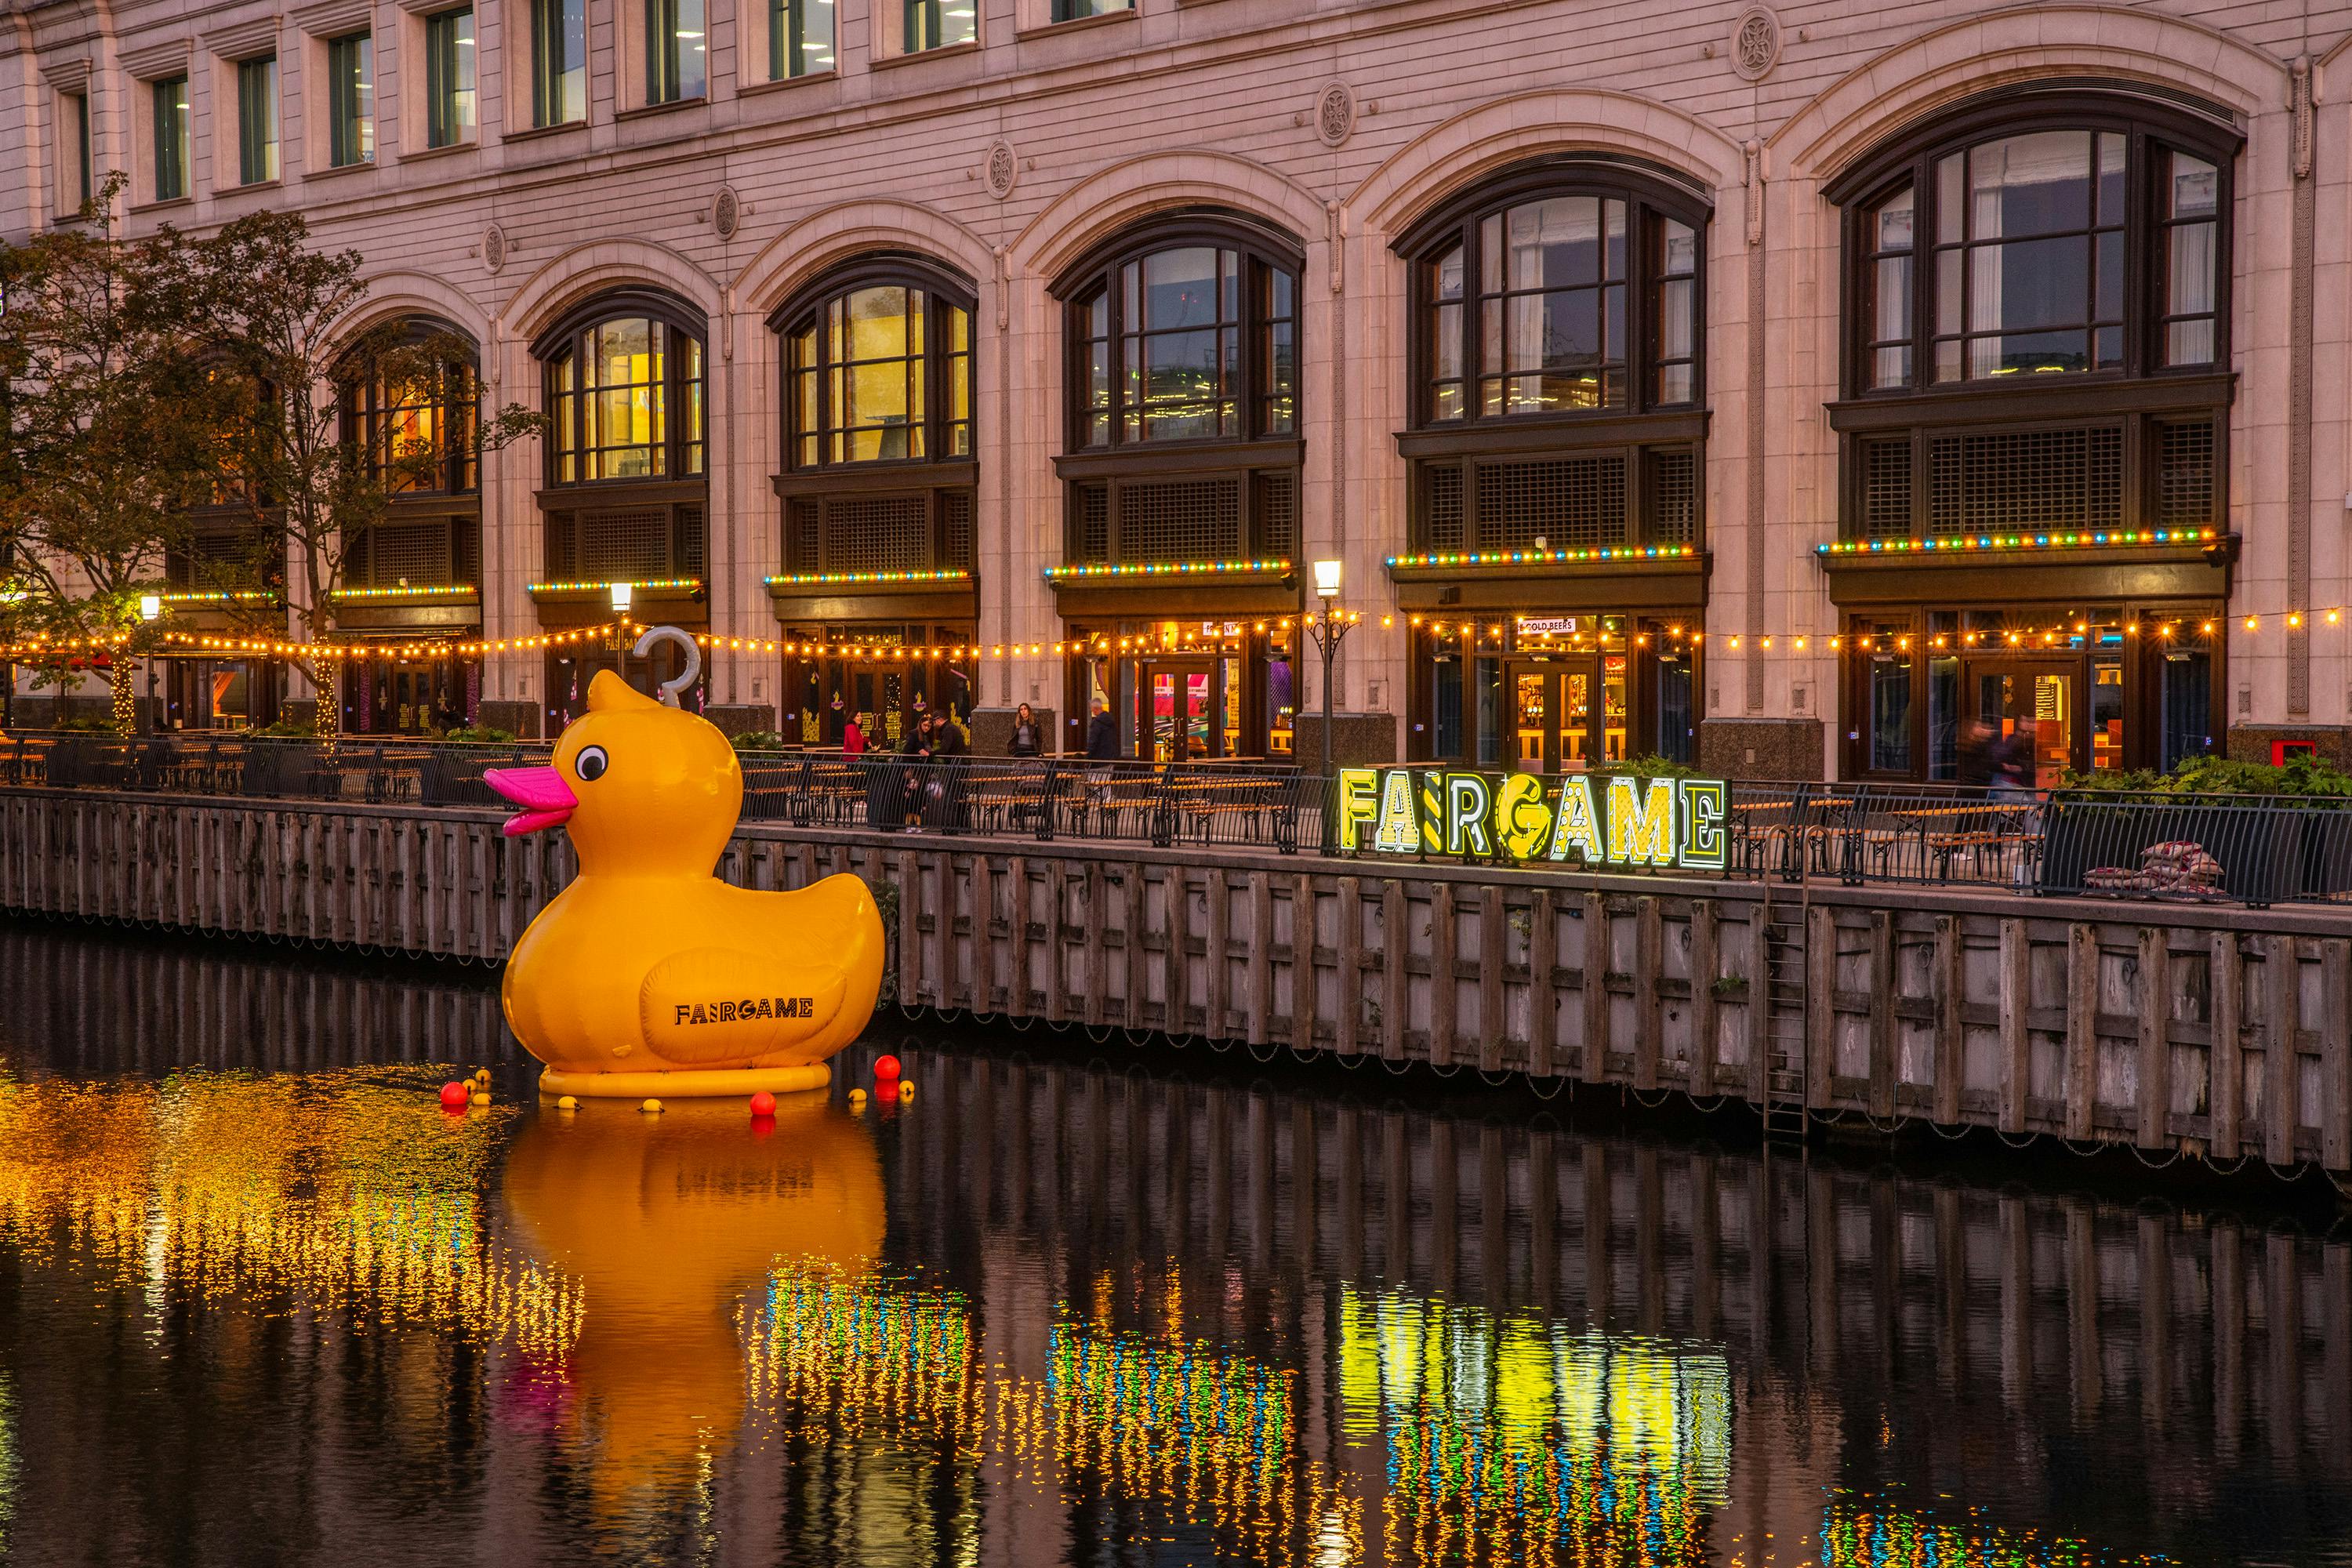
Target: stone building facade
(1800, 371)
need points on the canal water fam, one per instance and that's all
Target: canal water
(1079, 1301)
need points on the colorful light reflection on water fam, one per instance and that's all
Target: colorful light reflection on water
(1050, 1314)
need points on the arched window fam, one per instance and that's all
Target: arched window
(878, 492)
(626, 495)
(2033, 435)
(879, 366)
(1558, 430)
(1564, 289)
(412, 408)
(2075, 235)
(1185, 333)
(625, 391)
(1182, 420)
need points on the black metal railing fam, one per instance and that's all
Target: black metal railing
(2205, 848)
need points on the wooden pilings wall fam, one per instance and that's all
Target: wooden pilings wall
(2152, 1337)
(2228, 1031)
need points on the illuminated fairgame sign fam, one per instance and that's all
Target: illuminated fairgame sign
(1585, 819)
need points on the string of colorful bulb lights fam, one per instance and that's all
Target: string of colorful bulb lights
(1478, 630)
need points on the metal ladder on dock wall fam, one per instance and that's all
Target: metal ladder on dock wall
(1782, 934)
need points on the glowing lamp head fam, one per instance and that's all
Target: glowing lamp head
(625, 595)
(151, 606)
(1326, 579)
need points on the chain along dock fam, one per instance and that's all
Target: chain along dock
(2224, 1031)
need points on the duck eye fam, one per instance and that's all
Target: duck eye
(590, 764)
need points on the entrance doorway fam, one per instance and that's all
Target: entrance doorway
(1568, 711)
(1187, 708)
(2029, 709)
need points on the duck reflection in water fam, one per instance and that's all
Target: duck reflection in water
(667, 1223)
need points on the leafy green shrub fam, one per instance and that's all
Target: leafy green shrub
(481, 735)
(297, 729)
(2302, 777)
(758, 741)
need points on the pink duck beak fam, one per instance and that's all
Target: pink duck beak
(546, 800)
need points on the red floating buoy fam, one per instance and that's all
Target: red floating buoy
(453, 1096)
(886, 1069)
(764, 1104)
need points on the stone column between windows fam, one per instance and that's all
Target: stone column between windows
(1754, 202)
(2299, 397)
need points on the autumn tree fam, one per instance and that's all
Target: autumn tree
(109, 435)
(272, 325)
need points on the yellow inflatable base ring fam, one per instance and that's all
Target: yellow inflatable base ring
(703, 1083)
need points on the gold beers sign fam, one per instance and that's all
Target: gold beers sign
(1587, 819)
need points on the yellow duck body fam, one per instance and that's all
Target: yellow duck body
(649, 977)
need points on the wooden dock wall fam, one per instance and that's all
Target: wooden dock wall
(2223, 1030)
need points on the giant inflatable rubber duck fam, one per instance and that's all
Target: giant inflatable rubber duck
(648, 977)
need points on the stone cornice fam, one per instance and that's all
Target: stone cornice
(152, 62)
(245, 39)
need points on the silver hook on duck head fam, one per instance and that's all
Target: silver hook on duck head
(685, 640)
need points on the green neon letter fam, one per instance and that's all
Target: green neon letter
(1703, 814)
(1469, 802)
(1359, 804)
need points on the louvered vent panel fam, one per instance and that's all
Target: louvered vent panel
(1570, 503)
(417, 552)
(2026, 480)
(880, 533)
(1886, 489)
(690, 552)
(1672, 498)
(955, 527)
(1181, 519)
(2184, 474)
(1276, 501)
(1090, 527)
(1442, 508)
(623, 545)
(800, 552)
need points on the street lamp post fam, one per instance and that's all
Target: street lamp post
(150, 610)
(1329, 626)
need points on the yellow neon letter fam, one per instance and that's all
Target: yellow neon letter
(1576, 825)
(1641, 830)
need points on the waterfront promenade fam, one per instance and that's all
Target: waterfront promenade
(2195, 1025)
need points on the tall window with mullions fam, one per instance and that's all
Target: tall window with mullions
(449, 115)
(257, 120)
(882, 373)
(351, 101)
(626, 397)
(558, 62)
(800, 38)
(169, 101)
(935, 24)
(676, 51)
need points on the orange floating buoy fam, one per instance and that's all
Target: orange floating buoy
(453, 1096)
(764, 1104)
(885, 1070)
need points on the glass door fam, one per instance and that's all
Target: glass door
(2025, 721)
(1568, 711)
(1181, 711)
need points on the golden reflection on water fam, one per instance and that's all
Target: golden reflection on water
(1523, 1440)
(349, 1191)
(666, 1222)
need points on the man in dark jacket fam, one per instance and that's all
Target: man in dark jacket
(1102, 734)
